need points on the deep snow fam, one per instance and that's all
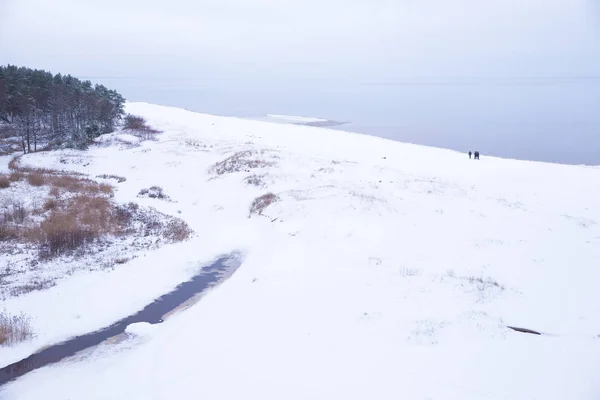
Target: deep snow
(385, 270)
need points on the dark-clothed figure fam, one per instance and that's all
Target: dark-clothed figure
(477, 155)
(470, 154)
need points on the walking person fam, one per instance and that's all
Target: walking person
(470, 154)
(476, 155)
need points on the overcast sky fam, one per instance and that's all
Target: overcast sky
(358, 60)
(344, 39)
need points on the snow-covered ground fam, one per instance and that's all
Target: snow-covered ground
(384, 270)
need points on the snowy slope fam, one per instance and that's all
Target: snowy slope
(384, 271)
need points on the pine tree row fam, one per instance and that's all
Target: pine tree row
(58, 110)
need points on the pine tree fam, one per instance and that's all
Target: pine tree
(56, 110)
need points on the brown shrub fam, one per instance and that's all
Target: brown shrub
(60, 233)
(7, 231)
(139, 127)
(133, 122)
(14, 329)
(69, 183)
(261, 203)
(4, 182)
(16, 176)
(13, 165)
(36, 179)
(177, 231)
(124, 214)
(54, 191)
(106, 189)
(82, 219)
(50, 204)
(74, 184)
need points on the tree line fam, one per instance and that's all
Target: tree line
(49, 110)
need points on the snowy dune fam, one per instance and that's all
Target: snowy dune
(384, 271)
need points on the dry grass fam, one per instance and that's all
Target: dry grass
(7, 232)
(16, 212)
(262, 202)
(13, 165)
(255, 180)
(105, 189)
(4, 182)
(80, 221)
(240, 161)
(54, 191)
(14, 329)
(69, 183)
(74, 184)
(85, 216)
(36, 179)
(133, 122)
(50, 204)
(139, 127)
(177, 230)
(154, 192)
(31, 286)
(72, 222)
(119, 179)
(16, 176)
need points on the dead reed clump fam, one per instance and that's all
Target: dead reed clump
(177, 230)
(139, 127)
(16, 176)
(105, 189)
(7, 231)
(13, 165)
(68, 183)
(36, 179)
(54, 192)
(50, 204)
(4, 182)
(14, 329)
(82, 220)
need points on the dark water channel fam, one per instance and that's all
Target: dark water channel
(209, 277)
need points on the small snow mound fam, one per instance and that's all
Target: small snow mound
(139, 329)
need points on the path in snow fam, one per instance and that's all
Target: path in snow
(183, 295)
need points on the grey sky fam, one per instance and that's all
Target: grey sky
(353, 39)
(399, 64)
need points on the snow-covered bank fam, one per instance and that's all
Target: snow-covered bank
(384, 270)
